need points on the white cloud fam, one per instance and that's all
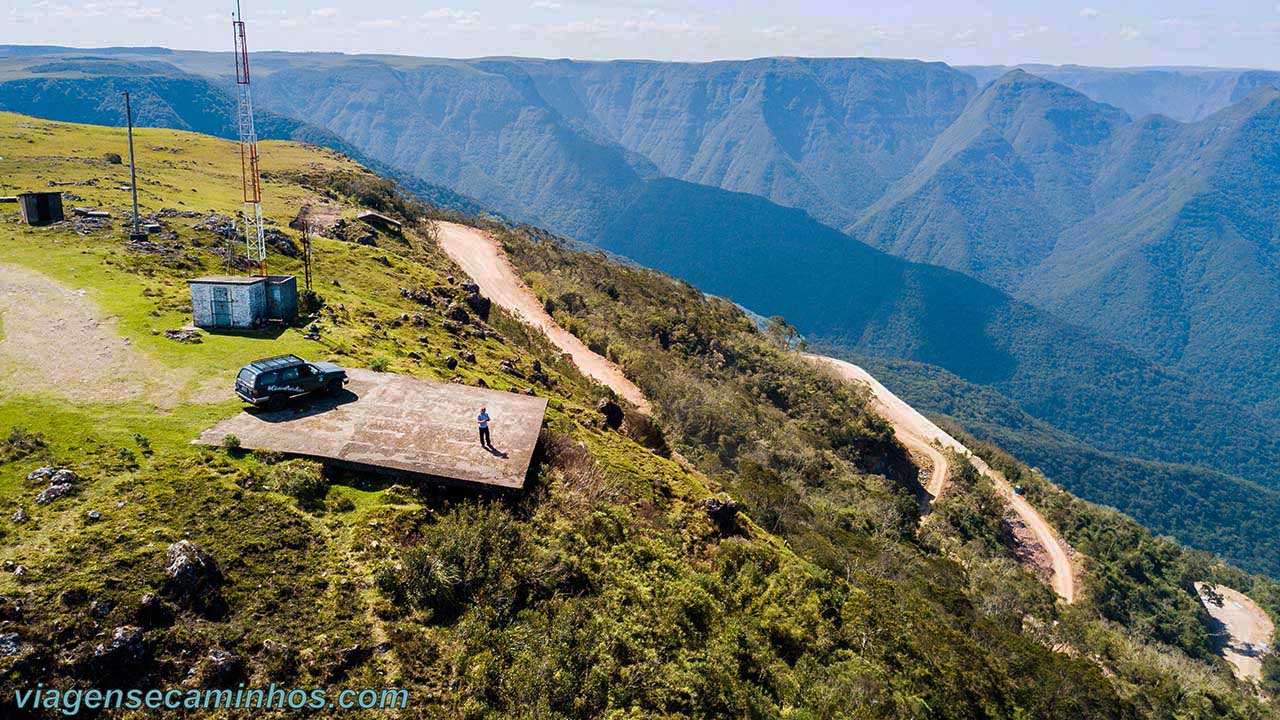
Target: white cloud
(579, 27)
(965, 35)
(325, 12)
(682, 27)
(1028, 32)
(454, 16)
(381, 24)
(545, 5)
(1129, 32)
(1090, 12)
(129, 9)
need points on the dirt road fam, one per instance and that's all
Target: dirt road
(483, 259)
(480, 256)
(917, 433)
(57, 342)
(1247, 631)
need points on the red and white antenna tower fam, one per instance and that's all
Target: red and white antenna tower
(255, 241)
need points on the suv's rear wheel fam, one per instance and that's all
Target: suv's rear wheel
(276, 402)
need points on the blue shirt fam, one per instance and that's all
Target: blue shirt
(483, 419)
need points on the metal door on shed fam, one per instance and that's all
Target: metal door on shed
(220, 299)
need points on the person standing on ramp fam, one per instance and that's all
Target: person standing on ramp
(483, 421)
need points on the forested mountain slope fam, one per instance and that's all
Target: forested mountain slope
(824, 135)
(1001, 184)
(606, 587)
(1200, 507)
(1186, 94)
(1185, 265)
(1155, 234)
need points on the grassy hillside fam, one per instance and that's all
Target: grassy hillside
(603, 589)
(89, 89)
(1139, 598)
(583, 148)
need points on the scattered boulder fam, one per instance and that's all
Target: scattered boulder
(124, 656)
(281, 243)
(10, 609)
(457, 313)
(452, 326)
(18, 517)
(184, 335)
(41, 474)
(220, 225)
(153, 612)
(53, 492)
(421, 296)
(102, 608)
(221, 669)
(479, 304)
(10, 644)
(529, 391)
(611, 413)
(471, 288)
(64, 477)
(481, 383)
(513, 390)
(468, 356)
(536, 365)
(194, 577)
(509, 367)
(20, 571)
(722, 511)
(93, 516)
(451, 362)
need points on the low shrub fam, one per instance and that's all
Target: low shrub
(20, 443)
(303, 481)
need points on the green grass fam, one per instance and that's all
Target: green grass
(602, 590)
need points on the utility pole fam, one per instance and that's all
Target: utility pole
(306, 252)
(137, 233)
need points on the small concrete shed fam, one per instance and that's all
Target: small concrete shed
(232, 302)
(41, 208)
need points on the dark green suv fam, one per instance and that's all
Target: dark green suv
(271, 382)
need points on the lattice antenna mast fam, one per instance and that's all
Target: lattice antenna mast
(255, 240)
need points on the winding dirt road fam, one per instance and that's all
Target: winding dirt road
(1247, 632)
(481, 257)
(920, 434)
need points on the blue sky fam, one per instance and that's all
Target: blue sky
(1228, 33)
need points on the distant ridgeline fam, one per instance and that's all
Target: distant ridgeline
(1111, 278)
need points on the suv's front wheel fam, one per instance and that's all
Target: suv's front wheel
(334, 386)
